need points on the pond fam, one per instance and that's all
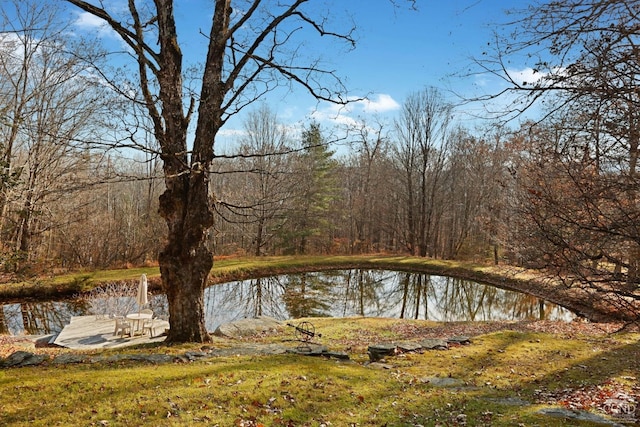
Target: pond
(344, 293)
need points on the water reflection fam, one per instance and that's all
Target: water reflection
(369, 293)
(372, 293)
(38, 318)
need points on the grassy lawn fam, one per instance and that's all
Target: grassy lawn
(506, 375)
(503, 378)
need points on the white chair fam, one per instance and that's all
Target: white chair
(147, 324)
(122, 327)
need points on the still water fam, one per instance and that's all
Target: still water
(368, 293)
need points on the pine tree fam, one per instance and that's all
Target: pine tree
(307, 228)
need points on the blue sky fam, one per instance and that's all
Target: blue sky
(399, 51)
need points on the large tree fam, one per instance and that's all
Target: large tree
(366, 181)
(251, 47)
(266, 181)
(307, 228)
(421, 152)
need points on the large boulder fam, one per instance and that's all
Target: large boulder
(244, 328)
(23, 358)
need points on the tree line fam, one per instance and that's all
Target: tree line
(418, 185)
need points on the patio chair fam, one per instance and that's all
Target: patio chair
(148, 325)
(122, 326)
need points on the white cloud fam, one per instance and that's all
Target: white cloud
(344, 114)
(230, 133)
(91, 23)
(333, 113)
(530, 76)
(381, 103)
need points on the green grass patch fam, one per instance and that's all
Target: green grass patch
(489, 375)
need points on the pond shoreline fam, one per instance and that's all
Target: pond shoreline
(585, 303)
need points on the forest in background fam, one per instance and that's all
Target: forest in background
(80, 190)
(406, 187)
(559, 193)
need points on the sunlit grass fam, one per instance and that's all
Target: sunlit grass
(284, 390)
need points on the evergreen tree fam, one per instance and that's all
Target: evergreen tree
(308, 228)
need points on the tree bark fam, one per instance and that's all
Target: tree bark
(185, 261)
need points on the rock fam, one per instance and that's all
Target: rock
(158, 358)
(193, 355)
(404, 347)
(270, 349)
(511, 401)
(460, 340)
(248, 327)
(443, 381)
(180, 359)
(336, 355)
(318, 350)
(44, 340)
(23, 358)
(434, 344)
(249, 350)
(377, 352)
(381, 366)
(309, 350)
(63, 359)
(149, 358)
(570, 414)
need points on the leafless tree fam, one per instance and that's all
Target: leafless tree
(251, 48)
(421, 152)
(474, 194)
(51, 101)
(266, 184)
(367, 178)
(579, 171)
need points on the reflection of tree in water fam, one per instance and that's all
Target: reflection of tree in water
(460, 299)
(451, 299)
(159, 305)
(4, 327)
(414, 290)
(308, 294)
(52, 316)
(248, 298)
(370, 293)
(336, 293)
(36, 318)
(362, 292)
(523, 306)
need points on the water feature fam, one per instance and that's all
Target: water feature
(369, 293)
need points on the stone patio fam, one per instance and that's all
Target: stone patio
(94, 332)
